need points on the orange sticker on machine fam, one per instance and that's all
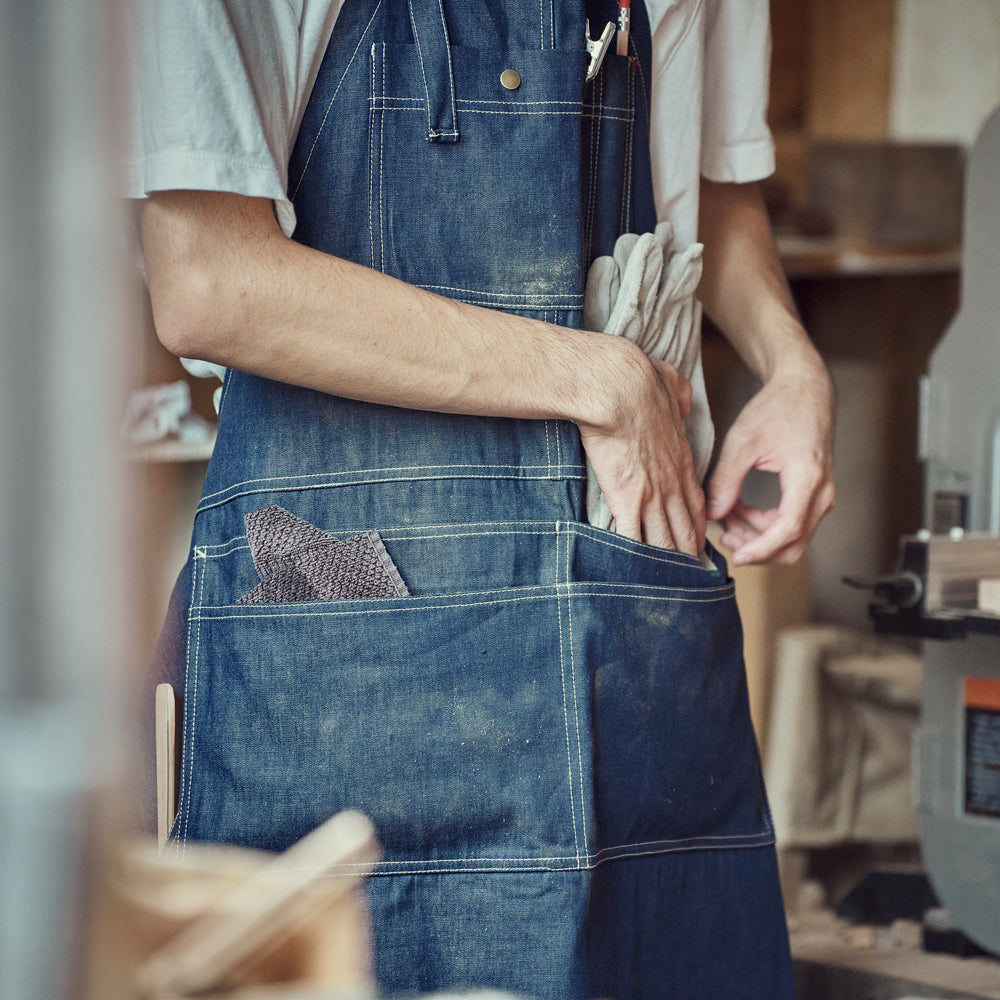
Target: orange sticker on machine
(982, 692)
(982, 747)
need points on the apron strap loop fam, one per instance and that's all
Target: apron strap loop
(430, 32)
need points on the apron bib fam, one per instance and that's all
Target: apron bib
(550, 731)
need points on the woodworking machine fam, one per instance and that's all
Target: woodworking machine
(947, 587)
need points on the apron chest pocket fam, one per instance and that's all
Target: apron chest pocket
(475, 219)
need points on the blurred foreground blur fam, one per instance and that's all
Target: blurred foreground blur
(64, 526)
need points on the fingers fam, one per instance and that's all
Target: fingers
(786, 428)
(628, 522)
(651, 491)
(779, 536)
(676, 522)
(642, 460)
(676, 519)
(689, 521)
(724, 485)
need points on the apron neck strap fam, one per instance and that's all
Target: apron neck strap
(430, 33)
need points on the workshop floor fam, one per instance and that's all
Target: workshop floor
(835, 960)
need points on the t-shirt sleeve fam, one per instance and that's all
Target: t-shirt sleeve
(218, 90)
(736, 143)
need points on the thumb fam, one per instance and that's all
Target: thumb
(726, 480)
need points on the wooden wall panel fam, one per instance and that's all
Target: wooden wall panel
(790, 53)
(851, 43)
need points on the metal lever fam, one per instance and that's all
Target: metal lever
(902, 590)
(597, 50)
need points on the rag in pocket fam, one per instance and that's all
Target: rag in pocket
(298, 562)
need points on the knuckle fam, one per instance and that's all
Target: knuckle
(698, 513)
(687, 539)
(787, 535)
(791, 555)
(627, 523)
(661, 539)
(814, 468)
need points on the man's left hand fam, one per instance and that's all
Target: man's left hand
(787, 428)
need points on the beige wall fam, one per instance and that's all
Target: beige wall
(946, 69)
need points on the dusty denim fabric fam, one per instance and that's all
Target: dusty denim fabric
(551, 732)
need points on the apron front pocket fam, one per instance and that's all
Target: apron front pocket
(675, 758)
(455, 720)
(549, 696)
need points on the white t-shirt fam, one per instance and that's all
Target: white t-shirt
(222, 87)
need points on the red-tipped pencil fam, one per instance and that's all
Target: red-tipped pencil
(624, 17)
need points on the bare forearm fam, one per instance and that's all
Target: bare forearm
(743, 286)
(787, 427)
(227, 286)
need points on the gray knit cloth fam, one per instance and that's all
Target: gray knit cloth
(298, 562)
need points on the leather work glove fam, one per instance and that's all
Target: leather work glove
(645, 291)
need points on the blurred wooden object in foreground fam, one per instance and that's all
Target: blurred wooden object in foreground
(199, 919)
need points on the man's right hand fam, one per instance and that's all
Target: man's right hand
(642, 459)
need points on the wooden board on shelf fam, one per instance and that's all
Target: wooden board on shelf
(173, 450)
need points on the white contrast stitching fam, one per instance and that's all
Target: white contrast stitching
(468, 103)
(194, 699)
(381, 182)
(371, 162)
(436, 602)
(513, 111)
(451, 74)
(185, 755)
(511, 528)
(675, 561)
(326, 115)
(705, 841)
(230, 546)
(393, 479)
(723, 589)
(562, 678)
(387, 534)
(548, 296)
(423, 73)
(576, 703)
(595, 160)
(627, 170)
(226, 382)
(630, 155)
(642, 76)
(747, 841)
(239, 541)
(532, 306)
(367, 472)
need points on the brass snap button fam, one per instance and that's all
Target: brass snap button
(510, 79)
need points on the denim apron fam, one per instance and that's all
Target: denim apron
(550, 731)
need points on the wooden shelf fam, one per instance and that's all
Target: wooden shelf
(172, 451)
(812, 257)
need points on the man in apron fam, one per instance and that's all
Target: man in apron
(547, 721)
